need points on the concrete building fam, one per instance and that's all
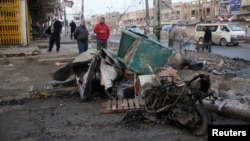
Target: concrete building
(244, 17)
(192, 12)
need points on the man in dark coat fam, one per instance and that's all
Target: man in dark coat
(55, 29)
(72, 29)
(208, 38)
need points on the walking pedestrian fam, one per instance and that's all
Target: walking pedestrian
(102, 34)
(208, 38)
(176, 35)
(170, 42)
(81, 34)
(72, 29)
(55, 31)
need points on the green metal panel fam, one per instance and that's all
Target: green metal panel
(140, 51)
(126, 41)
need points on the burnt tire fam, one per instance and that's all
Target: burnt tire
(200, 128)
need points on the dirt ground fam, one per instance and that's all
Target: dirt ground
(65, 117)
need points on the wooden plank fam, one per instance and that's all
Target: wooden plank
(125, 104)
(114, 104)
(104, 104)
(120, 104)
(108, 105)
(136, 102)
(131, 104)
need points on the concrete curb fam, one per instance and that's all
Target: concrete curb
(229, 108)
(235, 93)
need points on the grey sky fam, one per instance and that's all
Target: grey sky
(105, 6)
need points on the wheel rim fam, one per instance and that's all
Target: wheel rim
(223, 42)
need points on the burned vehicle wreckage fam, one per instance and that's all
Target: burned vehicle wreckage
(139, 70)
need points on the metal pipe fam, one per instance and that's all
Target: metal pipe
(23, 22)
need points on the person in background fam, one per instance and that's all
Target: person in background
(102, 34)
(176, 35)
(208, 38)
(72, 29)
(81, 34)
(55, 31)
(170, 42)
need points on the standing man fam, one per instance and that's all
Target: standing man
(208, 38)
(55, 29)
(176, 35)
(102, 34)
(72, 29)
(81, 34)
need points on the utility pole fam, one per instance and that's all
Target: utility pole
(213, 9)
(82, 15)
(157, 20)
(65, 26)
(109, 14)
(147, 19)
(199, 15)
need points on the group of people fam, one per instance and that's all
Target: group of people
(177, 35)
(176, 39)
(102, 31)
(79, 33)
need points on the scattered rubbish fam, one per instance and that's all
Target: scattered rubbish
(30, 89)
(217, 72)
(10, 65)
(40, 95)
(60, 63)
(222, 105)
(69, 82)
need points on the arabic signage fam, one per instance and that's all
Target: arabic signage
(235, 7)
(166, 4)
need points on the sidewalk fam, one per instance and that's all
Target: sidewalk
(38, 50)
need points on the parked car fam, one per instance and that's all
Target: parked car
(223, 34)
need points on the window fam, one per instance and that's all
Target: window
(222, 28)
(200, 28)
(177, 14)
(193, 13)
(166, 15)
(235, 27)
(208, 11)
(213, 28)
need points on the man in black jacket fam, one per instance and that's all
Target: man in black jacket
(208, 38)
(55, 29)
(72, 29)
